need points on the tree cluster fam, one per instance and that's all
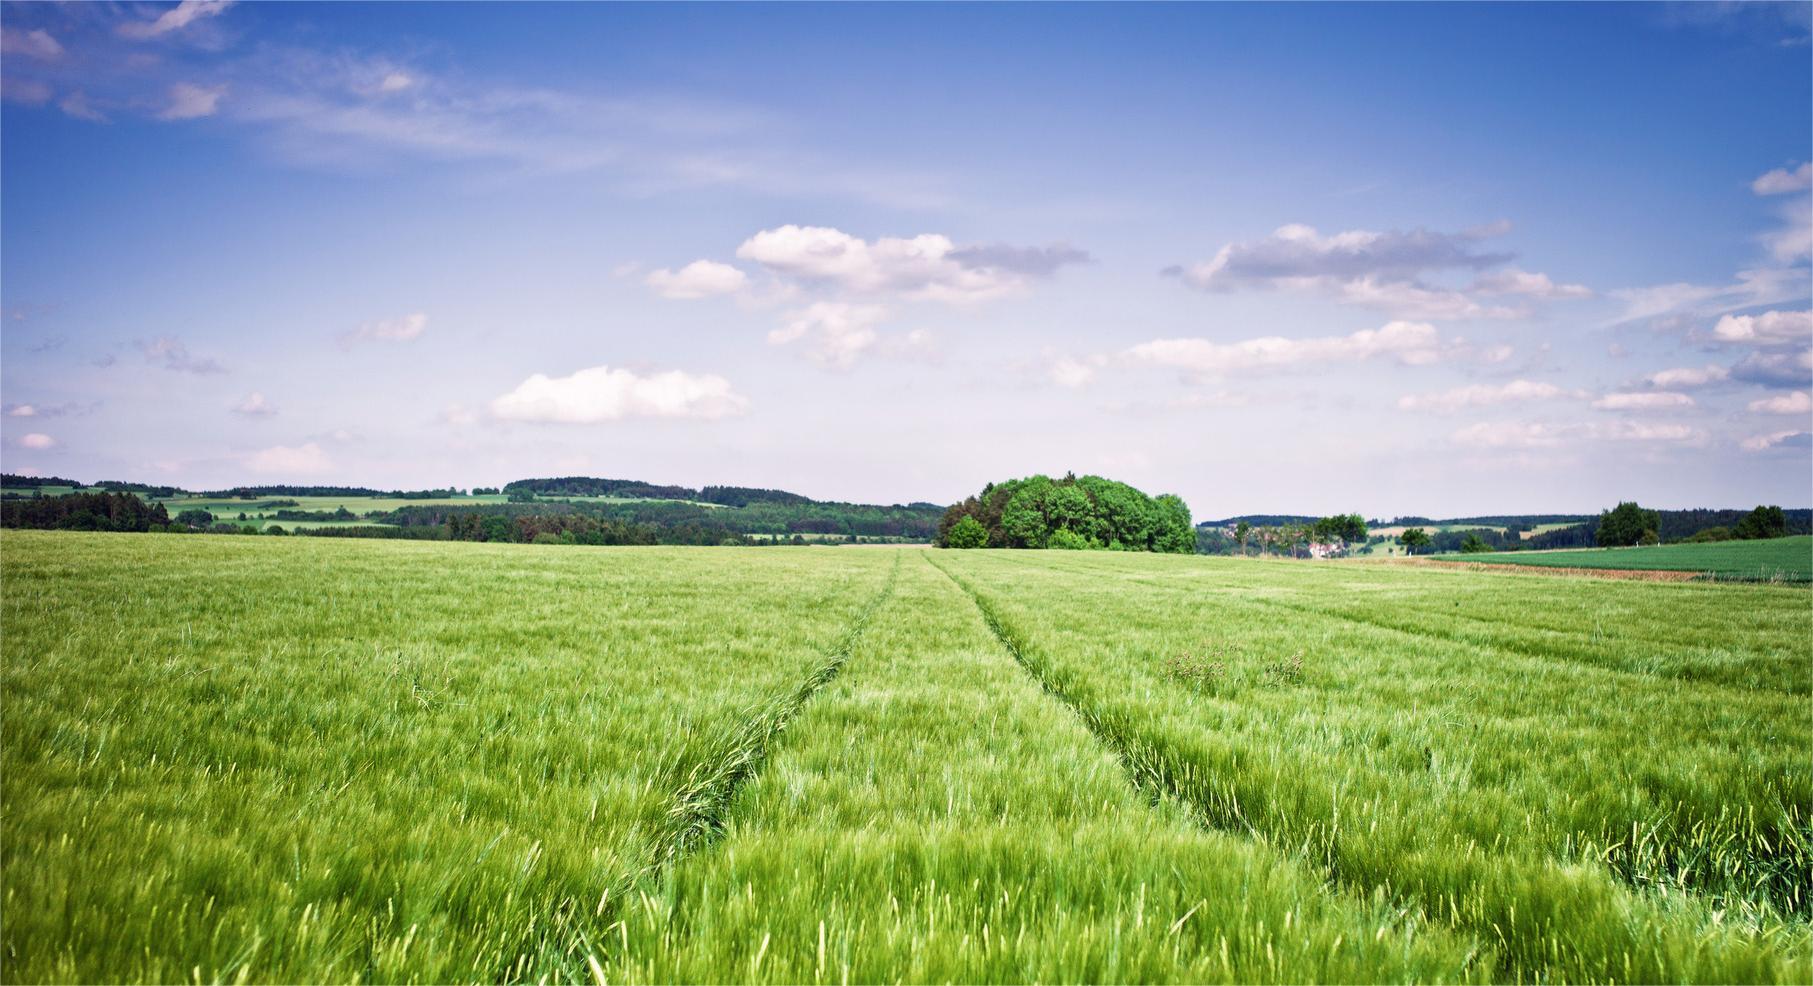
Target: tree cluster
(1627, 524)
(1072, 512)
(84, 512)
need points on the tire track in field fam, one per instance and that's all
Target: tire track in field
(1216, 805)
(696, 813)
(1150, 770)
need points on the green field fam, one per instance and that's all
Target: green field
(275, 760)
(1787, 559)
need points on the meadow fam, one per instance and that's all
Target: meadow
(274, 759)
(1787, 559)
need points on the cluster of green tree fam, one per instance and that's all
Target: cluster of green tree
(13, 480)
(337, 514)
(579, 528)
(254, 492)
(1072, 512)
(1680, 525)
(1627, 524)
(1520, 521)
(1572, 536)
(1760, 523)
(84, 512)
(913, 523)
(1294, 539)
(593, 486)
(743, 496)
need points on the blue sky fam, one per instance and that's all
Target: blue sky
(1394, 259)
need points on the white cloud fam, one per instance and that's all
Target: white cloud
(1792, 240)
(601, 393)
(1483, 395)
(1796, 402)
(403, 328)
(174, 19)
(254, 406)
(837, 332)
(1412, 343)
(1782, 181)
(1763, 286)
(1536, 434)
(21, 411)
(306, 459)
(395, 82)
(38, 440)
(1775, 439)
(31, 44)
(1655, 400)
(459, 415)
(1514, 281)
(1688, 376)
(189, 101)
(925, 267)
(1767, 328)
(699, 279)
(1070, 372)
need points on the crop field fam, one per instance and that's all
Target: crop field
(1788, 559)
(275, 759)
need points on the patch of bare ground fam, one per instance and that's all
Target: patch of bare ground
(1637, 574)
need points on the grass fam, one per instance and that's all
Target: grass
(273, 759)
(1788, 559)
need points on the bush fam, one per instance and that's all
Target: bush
(1474, 546)
(1066, 539)
(966, 533)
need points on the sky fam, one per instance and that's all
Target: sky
(1420, 259)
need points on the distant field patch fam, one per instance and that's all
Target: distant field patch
(1785, 559)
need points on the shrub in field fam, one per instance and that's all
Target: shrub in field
(966, 533)
(1763, 522)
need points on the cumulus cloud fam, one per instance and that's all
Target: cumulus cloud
(1783, 181)
(601, 394)
(403, 328)
(1767, 328)
(1514, 281)
(1380, 270)
(254, 406)
(1484, 395)
(1777, 439)
(1408, 342)
(306, 459)
(1775, 369)
(1654, 400)
(1796, 402)
(30, 44)
(1792, 240)
(1688, 376)
(38, 440)
(699, 279)
(189, 101)
(170, 353)
(174, 19)
(924, 267)
(837, 332)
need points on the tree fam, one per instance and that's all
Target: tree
(195, 518)
(1625, 525)
(1413, 539)
(1473, 545)
(1763, 522)
(1242, 531)
(966, 533)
